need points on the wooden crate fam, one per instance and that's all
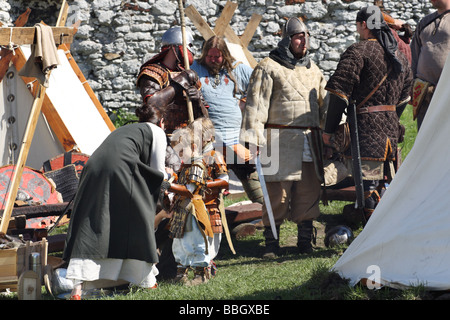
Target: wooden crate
(13, 262)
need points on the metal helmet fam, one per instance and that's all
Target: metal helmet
(338, 235)
(293, 26)
(174, 36)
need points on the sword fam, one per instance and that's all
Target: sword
(266, 197)
(356, 157)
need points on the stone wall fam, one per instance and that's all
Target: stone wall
(116, 36)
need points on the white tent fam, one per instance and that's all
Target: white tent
(71, 118)
(407, 240)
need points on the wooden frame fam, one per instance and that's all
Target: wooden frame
(223, 28)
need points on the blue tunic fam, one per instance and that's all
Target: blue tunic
(224, 110)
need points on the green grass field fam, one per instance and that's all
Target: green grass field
(291, 276)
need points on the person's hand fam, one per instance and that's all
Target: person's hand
(193, 93)
(242, 152)
(186, 79)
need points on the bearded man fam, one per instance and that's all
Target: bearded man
(224, 83)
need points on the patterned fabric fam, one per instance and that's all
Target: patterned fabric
(221, 100)
(214, 166)
(360, 70)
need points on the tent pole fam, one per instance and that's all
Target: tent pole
(26, 143)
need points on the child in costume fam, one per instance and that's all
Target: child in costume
(196, 224)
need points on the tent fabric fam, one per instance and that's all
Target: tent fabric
(406, 242)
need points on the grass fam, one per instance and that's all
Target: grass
(246, 276)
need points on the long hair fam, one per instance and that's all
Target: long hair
(228, 60)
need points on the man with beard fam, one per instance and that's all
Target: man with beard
(224, 83)
(287, 97)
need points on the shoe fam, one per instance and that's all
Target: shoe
(272, 245)
(182, 275)
(212, 269)
(154, 287)
(305, 236)
(201, 275)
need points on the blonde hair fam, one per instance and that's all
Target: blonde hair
(202, 131)
(198, 133)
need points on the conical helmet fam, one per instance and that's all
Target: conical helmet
(293, 26)
(174, 36)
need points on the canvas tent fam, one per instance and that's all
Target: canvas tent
(84, 125)
(406, 241)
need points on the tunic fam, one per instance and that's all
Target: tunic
(224, 110)
(114, 208)
(279, 95)
(360, 69)
(430, 47)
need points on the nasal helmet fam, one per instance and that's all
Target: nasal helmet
(338, 235)
(293, 26)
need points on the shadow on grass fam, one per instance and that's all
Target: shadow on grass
(322, 285)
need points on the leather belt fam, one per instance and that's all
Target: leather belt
(375, 109)
(282, 126)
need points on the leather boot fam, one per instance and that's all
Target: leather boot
(272, 245)
(182, 275)
(252, 188)
(305, 236)
(201, 275)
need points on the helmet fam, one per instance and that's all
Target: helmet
(338, 235)
(174, 36)
(294, 26)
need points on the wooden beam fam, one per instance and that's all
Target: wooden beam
(25, 35)
(225, 18)
(5, 54)
(199, 23)
(24, 150)
(233, 38)
(87, 87)
(62, 18)
(48, 110)
(250, 29)
(228, 32)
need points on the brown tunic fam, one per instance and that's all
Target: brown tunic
(361, 68)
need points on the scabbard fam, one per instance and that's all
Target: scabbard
(356, 156)
(225, 224)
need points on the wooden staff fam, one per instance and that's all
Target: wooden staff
(185, 56)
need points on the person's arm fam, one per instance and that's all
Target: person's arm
(158, 153)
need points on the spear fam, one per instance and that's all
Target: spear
(185, 55)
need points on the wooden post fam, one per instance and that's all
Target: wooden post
(186, 58)
(17, 175)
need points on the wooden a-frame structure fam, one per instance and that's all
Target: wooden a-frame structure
(223, 28)
(13, 55)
